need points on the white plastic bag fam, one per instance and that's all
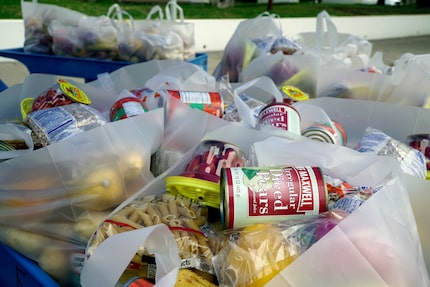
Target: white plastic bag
(334, 48)
(375, 245)
(242, 46)
(37, 18)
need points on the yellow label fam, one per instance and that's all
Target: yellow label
(73, 92)
(295, 93)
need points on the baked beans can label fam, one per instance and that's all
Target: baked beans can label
(263, 194)
(280, 115)
(210, 102)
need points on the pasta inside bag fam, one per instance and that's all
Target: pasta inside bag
(187, 221)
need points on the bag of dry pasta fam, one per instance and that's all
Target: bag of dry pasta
(187, 221)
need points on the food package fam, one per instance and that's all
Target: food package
(295, 70)
(37, 18)
(333, 48)
(253, 255)
(92, 37)
(241, 48)
(160, 38)
(64, 190)
(368, 228)
(59, 123)
(186, 219)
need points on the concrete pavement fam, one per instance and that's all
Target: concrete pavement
(14, 72)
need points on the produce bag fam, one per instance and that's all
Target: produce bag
(202, 124)
(89, 37)
(344, 82)
(409, 82)
(335, 49)
(175, 20)
(37, 18)
(368, 228)
(55, 195)
(244, 44)
(157, 38)
(295, 70)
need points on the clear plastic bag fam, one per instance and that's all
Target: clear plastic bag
(154, 38)
(37, 18)
(253, 255)
(332, 47)
(240, 49)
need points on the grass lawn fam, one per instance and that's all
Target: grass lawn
(11, 9)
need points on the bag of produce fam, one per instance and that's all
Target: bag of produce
(251, 38)
(54, 195)
(157, 38)
(333, 48)
(89, 37)
(37, 18)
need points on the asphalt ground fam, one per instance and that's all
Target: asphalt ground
(14, 72)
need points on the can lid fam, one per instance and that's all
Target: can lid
(197, 189)
(73, 92)
(26, 106)
(294, 93)
(319, 133)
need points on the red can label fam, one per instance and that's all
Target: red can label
(126, 108)
(260, 194)
(280, 115)
(210, 102)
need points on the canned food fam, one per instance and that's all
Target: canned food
(60, 94)
(210, 102)
(125, 108)
(325, 133)
(263, 194)
(421, 142)
(201, 177)
(280, 115)
(292, 94)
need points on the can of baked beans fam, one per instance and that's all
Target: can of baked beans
(280, 115)
(263, 194)
(210, 102)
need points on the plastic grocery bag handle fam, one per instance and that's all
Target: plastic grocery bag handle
(324, 17)
(104, 267)
(116, 11)
(273, 16)
(172, 9)
(153, 11)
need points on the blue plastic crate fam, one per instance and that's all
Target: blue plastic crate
(18, 270)
(86, 68)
